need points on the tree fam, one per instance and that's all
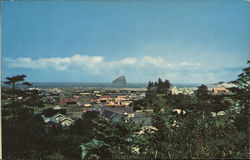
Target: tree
(28, 98)
(157, 88)
(242, 98)
(160, 135)
(202, 92)
(182, 101)
(243, 87)
(166, 87)
(14, 82)
(114, 140)
(84, 127)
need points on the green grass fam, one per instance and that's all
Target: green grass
(72, 108)
(84, 99)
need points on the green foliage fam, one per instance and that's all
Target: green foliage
(202, 92)
(159, 87)
(182, 101)
(14, 82)
(196, 136)
(28, 98)
(24, 133)
(116, 139)
(84, 127)
(56, 156)
(242, 98)
(163, 87)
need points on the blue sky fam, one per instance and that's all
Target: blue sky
(203, 41)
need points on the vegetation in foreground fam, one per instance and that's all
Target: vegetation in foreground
(193, 134)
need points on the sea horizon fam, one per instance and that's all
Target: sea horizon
(100, 84)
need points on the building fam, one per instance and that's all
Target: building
(115, 113)
(174, 90)
(105, 98)
(87, 105)
(65, 122)
(121, 98)
(219, 90)
(57, 108)
(57, 119)
(125, 103)
(95, 101)
(68, 100)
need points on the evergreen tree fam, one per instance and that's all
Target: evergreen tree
(13, 82)
(28, 98)
(202, 92)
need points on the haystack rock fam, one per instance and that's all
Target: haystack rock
(120, 82)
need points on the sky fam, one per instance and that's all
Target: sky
(195, 41)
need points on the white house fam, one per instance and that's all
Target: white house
(65, 122)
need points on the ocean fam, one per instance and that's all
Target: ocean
(99, 85)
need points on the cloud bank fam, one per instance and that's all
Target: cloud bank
(94, 64)
(140, 69)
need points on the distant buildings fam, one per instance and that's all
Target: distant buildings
(105, 98)
(182, 90)
(219, 90)
(68, 100)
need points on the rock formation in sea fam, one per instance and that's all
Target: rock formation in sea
(120, 82)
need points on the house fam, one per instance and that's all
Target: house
(65, 122)
(95, 101)
(147, 129)
(115, 113)
(57, 119)
(219, 90)
(96, 91)
(85, 94)
(142, 95)
(68, 100)
(220, 113)
(179, 111)
(98, 95)
(174, 90)
(126, 103)
(105, 98)
(50, 124)
(57, 108)
(121, 98)
(112, 104)
(87, 105)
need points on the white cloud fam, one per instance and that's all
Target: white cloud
(123, 62)
(188, 64)
(147, 67)
(157, 62)
(94, 64)
(57, 63)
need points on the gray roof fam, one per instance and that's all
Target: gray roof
(119, 109)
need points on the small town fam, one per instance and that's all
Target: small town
(65, 106)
